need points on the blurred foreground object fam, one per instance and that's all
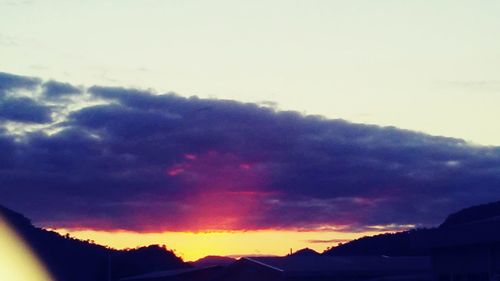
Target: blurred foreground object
(17, 261)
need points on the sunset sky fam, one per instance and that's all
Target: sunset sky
(235, 128)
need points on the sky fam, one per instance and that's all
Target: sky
(233, 119)
(430, 66)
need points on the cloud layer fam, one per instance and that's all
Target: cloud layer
(114, 158)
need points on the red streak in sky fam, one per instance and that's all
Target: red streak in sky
(190, 156)
(245, 166)
(228, 193)
(175, 171)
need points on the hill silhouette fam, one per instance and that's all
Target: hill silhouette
(389, 244)
(70, 259)
(212, 261)
(413, 242)
(305, 252)
(473, 214)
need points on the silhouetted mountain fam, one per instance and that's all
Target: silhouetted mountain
(14, 219)
(212, 261)
(70, 259)
(389, 244)
(473, 214)
(305, 252)
(413, 242)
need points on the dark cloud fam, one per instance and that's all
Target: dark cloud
(149, 162)
(54, 90)
(10, 82)
(24, 109)
(7, 146)
(326, 241)
(14, 107)
(122, 122)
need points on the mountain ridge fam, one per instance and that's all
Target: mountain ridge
(413, 242)
(71, 259)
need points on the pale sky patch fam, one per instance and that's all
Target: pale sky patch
(365, 61)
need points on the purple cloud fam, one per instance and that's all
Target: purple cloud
(147, 162)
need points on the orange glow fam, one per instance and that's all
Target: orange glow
(192, 246)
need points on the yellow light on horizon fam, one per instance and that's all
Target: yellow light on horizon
(17, 261)
(192, 246)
